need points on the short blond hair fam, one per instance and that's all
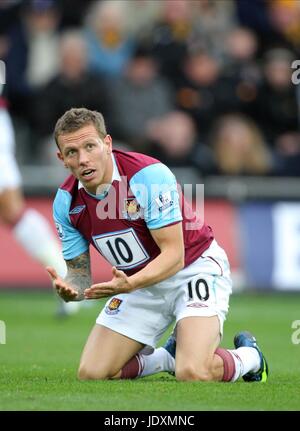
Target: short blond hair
(76, 118)
(254, 159)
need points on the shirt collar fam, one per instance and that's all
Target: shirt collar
(116, 174)
(115, 177)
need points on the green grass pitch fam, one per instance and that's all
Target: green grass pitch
(38, 363)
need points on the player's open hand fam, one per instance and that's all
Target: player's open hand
(118, 284)
(65, 291)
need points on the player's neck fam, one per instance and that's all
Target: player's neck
(108, 174)
(102, 188)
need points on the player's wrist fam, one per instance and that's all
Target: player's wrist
(133, 284)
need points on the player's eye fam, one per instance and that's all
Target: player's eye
(90, 146)
(70, 153)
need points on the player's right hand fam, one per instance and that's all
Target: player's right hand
(65, 291)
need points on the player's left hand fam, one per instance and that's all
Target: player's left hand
(118, 284)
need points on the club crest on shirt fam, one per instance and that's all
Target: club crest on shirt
(132, 209)
(113, 306)
(164, 201)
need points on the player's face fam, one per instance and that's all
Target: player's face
(87, 156)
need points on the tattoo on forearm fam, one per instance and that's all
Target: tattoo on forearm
(79, 273)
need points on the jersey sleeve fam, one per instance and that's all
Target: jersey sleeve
(73, 243)
(155, 189)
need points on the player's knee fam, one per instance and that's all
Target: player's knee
(90, 373)
(191, 373)
(12, 207)
(10, 216)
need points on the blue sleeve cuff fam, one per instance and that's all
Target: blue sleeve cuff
(73, 243)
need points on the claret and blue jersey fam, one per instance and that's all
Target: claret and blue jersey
(142, 196)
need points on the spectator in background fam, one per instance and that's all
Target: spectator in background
(108, 41)
(241, 47)
(31, 58)
(42, 22)
(141, 15)
(198, 91)
(213, 20)
(174, 139)
(74, 85)
(254, 14)
(208, 90)
(277, 107)
(241, 66)
(138, 97)
(241, 73)
(171, 35)
(239, 148)
(285, 18)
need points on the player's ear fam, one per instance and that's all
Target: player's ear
(108, 142)
(60, 157)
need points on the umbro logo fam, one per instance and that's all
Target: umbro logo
(77, 210)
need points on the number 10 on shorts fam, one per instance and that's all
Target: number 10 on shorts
(198, 290)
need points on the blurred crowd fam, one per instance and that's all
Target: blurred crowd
(202, 83)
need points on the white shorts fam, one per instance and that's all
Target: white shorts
(201, 289)
(10, 177)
